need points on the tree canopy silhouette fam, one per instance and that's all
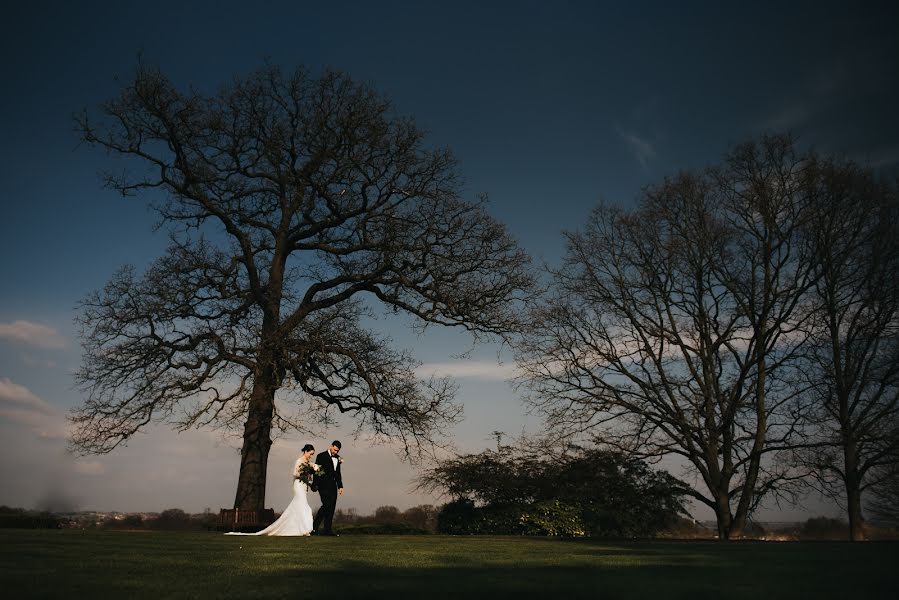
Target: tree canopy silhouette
(296, 206)
(606, 492)
(672, 328)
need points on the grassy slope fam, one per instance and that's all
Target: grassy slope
(75, 564)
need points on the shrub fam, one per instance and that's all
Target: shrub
(824, 528)
(459, 517)
(387, 514)
(596, 491)
(422, 517)
(171, 519)
(546, 518)
(552, 518)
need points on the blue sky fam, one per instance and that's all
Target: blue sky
(549, 107)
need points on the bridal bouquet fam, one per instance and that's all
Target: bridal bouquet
(306, 471)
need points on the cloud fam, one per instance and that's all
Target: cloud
(642, 149)
(472, 369)
(21, 406)
(20, 397)
(45, 427)
(32, 334)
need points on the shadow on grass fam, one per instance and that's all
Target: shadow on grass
(73, 564)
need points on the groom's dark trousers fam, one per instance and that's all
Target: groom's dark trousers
(327, 491)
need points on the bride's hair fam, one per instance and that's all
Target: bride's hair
(308, 447)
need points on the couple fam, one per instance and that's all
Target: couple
(322, 476)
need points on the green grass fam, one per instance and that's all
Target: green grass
(93, 564)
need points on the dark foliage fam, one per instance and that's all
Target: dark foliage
(19, 518)
(590, 491)
(388, 520)
(460, 517)
(824, 528)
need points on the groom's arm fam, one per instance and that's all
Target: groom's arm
(320, 462)
(339, 479)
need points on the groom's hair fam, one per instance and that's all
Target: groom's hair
(336, 443)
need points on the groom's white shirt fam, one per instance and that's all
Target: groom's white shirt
(333, 459)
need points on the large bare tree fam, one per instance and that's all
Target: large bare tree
(296, 205)
(671, 329)
(852, 367)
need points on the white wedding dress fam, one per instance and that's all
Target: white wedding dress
(296, 518)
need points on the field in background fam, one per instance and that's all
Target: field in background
(72, 564)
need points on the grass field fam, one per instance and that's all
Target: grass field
(94, 564)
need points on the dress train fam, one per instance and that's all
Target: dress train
(296, 518)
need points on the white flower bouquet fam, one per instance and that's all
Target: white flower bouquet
(305, 471)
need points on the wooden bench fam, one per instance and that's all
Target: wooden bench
(246, 521)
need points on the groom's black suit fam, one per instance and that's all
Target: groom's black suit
(328, 481)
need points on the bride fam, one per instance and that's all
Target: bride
(297, 517)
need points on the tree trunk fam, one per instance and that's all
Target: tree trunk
(723, 516)
(257, 432)
(856, 523)
(755, 457)
(853, 494)
(257, 442)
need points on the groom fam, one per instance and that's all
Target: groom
(329, 485)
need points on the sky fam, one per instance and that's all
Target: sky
(550, 107)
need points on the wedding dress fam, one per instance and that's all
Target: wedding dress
(296, 518)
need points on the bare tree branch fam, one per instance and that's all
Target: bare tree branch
(292, 201)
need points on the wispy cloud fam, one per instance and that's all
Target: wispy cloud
(32, 334)
(642, 149)
(45, 427)
(13, 395)
(21, 406)
(472, 369)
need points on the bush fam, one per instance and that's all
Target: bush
(594, 491)
(459, 517)
(387, 514)
(389, 519)
(552, 518)
(19, 518)
(824, 528)
(546, 518)
(421, 517)
(32, 521)
(173, 519)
